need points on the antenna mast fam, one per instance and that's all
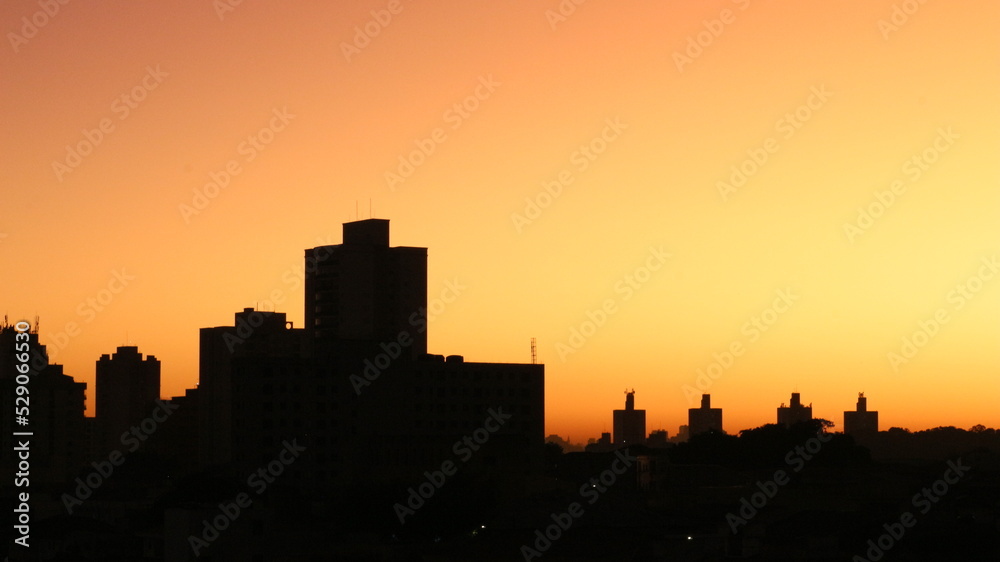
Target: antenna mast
(534, 352)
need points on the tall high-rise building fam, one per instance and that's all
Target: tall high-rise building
(255, 338)
(704, 418)
(59, 445)
(861, 421)
(128, 387)
(356, 386)
(795, 412)
(629, 425)
(362, 293)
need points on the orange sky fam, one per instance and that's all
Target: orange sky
(117, 114)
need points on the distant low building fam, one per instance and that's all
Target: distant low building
(657, 439)
(682, 434)
(602, 445)
(566, 445)
(705, 418)
(629, 424)
(795, 412)
(861, 421)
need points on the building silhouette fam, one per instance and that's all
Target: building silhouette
(128, 387)
(861, 421)
(629, 425)
(414, 418)
(60, 443)
(364, 291)
(795, 412)
(602, 445)
(356, 387)
(683, 432)
(255, 336)
(180, 432)
(657, 438)
(704, 418)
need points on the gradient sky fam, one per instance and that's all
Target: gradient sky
(618, 99)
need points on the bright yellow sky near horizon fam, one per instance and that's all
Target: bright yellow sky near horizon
(643, 110)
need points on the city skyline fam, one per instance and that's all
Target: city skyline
(365, 234)
(559, 167)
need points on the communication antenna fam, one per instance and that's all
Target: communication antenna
(370, 215)
(534, 352)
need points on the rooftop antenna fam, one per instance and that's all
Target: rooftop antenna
(534, 352)
(370, 215)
